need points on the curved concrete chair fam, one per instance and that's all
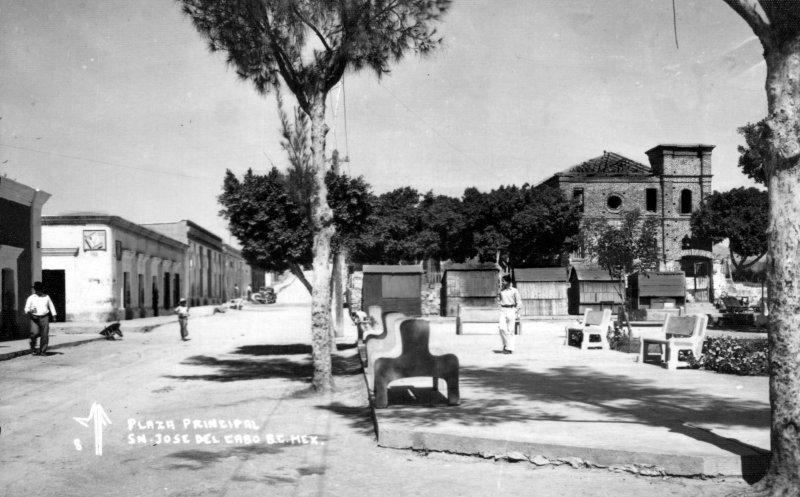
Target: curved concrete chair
(415, 360)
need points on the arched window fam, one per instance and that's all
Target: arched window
(686, 202)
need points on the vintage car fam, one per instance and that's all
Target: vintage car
(264, 296)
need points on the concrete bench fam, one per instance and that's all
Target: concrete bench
(477, 315)
(385, 345)
(592, 332)
(415, 360)
(679, 335)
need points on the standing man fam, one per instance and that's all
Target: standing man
(510, 305)
(40, 310)
(183, 319)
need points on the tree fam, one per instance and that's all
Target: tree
(740, 215)
(309, 45)
(630, 247)
(273, 230)
(751, 157)
(777, 25)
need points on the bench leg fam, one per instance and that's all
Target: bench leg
(435, 384)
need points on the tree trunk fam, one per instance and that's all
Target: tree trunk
(296, 270)
(783, 173)
(322, 216)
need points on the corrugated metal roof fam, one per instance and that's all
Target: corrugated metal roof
(661, 284)
(482, 266)
(585, 274)
(541, 274)
(389, 269)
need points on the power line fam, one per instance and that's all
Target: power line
(104, 163)
(432, 129)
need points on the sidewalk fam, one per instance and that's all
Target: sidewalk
(74, 333)
(551, 403)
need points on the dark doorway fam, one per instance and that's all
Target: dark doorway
(8, 292)
(54, 281)
(154, 296)
(167, 290)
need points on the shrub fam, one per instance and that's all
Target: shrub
(737, 356)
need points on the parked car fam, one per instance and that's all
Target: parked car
(265, 296)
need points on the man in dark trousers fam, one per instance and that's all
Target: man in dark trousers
(40, 310)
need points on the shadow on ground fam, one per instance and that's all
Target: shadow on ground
(291, 361)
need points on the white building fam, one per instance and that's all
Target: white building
(104, 268)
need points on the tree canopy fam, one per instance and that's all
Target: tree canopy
(752, 157)
(741, 215)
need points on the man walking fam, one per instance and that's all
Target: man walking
(40, 310)
(510, 305)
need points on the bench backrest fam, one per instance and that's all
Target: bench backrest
(478, 314)
(597, 318)
(685, 326)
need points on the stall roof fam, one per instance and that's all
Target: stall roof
(594, 274)
(390, 269)
(541, 274)
(661, 284)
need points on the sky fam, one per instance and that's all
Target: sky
(118, 107)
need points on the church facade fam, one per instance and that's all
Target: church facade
(670, 189)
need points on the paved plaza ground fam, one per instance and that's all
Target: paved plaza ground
(600, 423)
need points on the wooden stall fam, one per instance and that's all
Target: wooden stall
(472, 285)
(657, 290)
(593, 289)
(393, 288)
(543, 290)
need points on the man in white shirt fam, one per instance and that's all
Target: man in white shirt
(40, 309)
(510, 305)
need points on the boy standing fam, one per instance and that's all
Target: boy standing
(183, 318)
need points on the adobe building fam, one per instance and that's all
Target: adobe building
(237, 273)
(20, 252)
(203, 261)
(672, 187)
(104, 268)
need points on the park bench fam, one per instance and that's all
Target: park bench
(679, 336)
(385, 345)
(477, 315)
(415, 360)
(592, 332)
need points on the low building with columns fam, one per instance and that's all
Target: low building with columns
(203, 261)
(237, 274)
(104, 268)
(20, 252)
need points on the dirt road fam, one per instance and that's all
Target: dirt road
(226, 414)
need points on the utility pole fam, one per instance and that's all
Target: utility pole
(337, 284)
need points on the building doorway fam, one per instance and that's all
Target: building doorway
(54, 281)
(698, 278)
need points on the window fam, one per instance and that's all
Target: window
(614, 202)
(651, 199)
(686, 201)
(577, 196)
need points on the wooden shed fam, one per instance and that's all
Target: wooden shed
(543, 290)
(394, 288)
(657, 290)
(593, 289)
(474, 285)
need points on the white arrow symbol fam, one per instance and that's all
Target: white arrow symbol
(100, 421)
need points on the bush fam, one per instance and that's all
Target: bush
(737, 356)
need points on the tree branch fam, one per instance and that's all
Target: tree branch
(752, 12)
(298, 272)
(313, 28)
